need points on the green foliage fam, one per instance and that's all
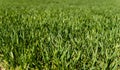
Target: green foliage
(60, 35)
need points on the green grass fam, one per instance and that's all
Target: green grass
(60, 35)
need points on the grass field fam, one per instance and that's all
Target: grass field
(60, 34)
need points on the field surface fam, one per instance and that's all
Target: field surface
(60, 34)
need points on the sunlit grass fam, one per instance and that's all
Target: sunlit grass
(67, 37)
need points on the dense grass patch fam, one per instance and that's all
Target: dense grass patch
(69, 37)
